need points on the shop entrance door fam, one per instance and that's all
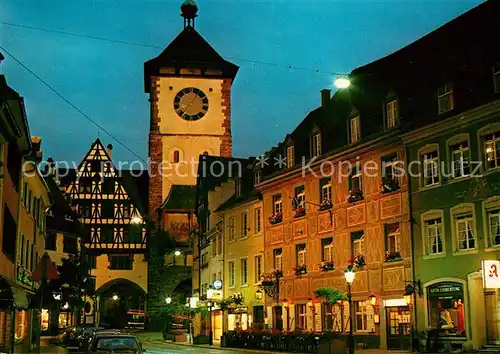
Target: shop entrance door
(491, 300)
(398, 327)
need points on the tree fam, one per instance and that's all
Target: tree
(330, 295)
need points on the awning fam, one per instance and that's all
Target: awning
(20, 297)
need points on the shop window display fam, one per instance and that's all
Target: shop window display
(446, 308)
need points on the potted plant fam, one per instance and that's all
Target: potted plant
(277, 273)
(299, 211)
(276, 218)
(326, 266)
(326, 204)
(354, 195)
(389, 184)
(300, 270)
(357, 262)
(392, 256)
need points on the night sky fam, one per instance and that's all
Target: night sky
(105, 80)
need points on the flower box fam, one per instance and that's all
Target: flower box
(358, 261)
(299, 211)
(392, 256)
(326, 266)
(389, 185)
(276, 218)
(354, 196)
(300, 270)
(326, 204)
(277, 273)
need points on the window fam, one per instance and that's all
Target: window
(258, 221)
(446, 310)
(204, 287)
(85, 186)
(325, 190)
(364, 318)
(393, 239)
(358, 243)
(257, 176)
(355, 124)
(14, 159)
(231, 227)
(278, 258)
(300, 197)
(316, 145)
(496, 77)
(244, 224)
(431, 168)
(290, 157)
(494, 227)
(244, 271)
(204, 260)
(301, 254)
(237, 186)
(258, 268)
(214, 246)
(327, 249)
(219, 244)
(464, 229)
(231, 271)
(122, 262)
(177, 156)
(390, 172)
(51, 241)
(392, 113)
(434, 235)
(70, 244)
(277, 204)
(460, 157)
(126, 210)
(356, 180)
(445, 98)
(85, 210)
(301, 315)
(492, 150)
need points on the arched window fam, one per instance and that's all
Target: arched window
(176, 156)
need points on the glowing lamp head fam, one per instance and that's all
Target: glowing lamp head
(177, 253)
(66, 306)
(136, 220)
(115, 297)
(349, 276)
(168, 300)
(373, 299)
(342, 82)
(258, 294)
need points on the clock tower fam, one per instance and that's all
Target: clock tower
(189, 87)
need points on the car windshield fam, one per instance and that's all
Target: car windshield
(116, 344)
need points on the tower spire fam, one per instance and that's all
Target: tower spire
(189, 10)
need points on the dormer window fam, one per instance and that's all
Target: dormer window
(237, 184)
(257, 177)
(315, 145)
(445, 98)
(392, 114)
(290, 157)
(355, 129)
(496, 77)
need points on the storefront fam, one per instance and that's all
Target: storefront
(238, 318)
(445, 304)
(398, 324)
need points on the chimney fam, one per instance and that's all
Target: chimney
(325, 97)
(110, 150)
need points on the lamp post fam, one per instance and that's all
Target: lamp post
(168, 300)
(349, 278)
(210, 334)
(285, 305)
(310, 304)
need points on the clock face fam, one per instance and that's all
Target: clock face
(191, 103)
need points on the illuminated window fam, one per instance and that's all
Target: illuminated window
(460, 156)
(244, 271)
(316, 145)
(355, 129)
(392, 113)
(290, 157)
(278, 258)
(430, 168)
(492, 150)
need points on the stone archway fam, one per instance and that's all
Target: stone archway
(121, 304)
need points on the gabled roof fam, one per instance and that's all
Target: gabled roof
(180, 198)
(189, 50)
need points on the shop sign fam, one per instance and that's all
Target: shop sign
(491, 272)
(237, 310)
(217, 284)
(445, 289)
(214, 294)
(24, 275)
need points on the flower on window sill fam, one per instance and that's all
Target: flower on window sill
(277, 273)
(276, 218)
(358, 261)
(392, 256)
(389, 185)
(299, 211)
(354, 196)
(326, 204)
(300, 270)
(326, 266)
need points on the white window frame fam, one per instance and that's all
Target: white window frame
(244, 224)
(392, 113)
(326, 192)
(316, 145)
(278, 205)
(328, 252)
(257, 268)
(361, 311)
(231, 228)
(494, 214)
(302, 255)
(397, 239)
(463, 223)
(445, 92)
(358, 246)
(290, 157)
(232, 273)
(432, 229)
(278, 259)
(391, 165)
(431, 164)
(355, 129)
(244, 271)
(463, 162)
(491, 210)
(301, 311)
(257, 176)
(258, 220)
(359, 176)
(301, 198)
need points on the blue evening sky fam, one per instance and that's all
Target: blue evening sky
(105, 80)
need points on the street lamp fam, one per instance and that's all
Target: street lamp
(258, 294)
(210, 333)
(373, 299)
(115, 297)
(168, 300)
(136, 220)
(342, 82)
(177, 253)
(349, 278)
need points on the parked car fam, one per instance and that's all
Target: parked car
(77, 338)
(116, 343)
